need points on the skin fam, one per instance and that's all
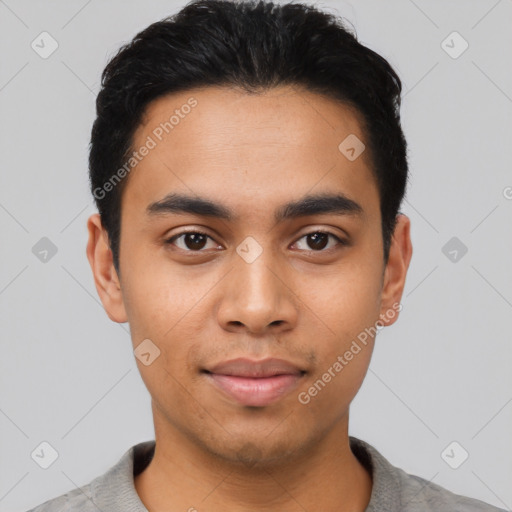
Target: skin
(296, 301)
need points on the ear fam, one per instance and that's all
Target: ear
(105, 275)
(400, 253)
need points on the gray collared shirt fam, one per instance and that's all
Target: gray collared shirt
(393, 489)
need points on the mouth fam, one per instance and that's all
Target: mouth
(255, 383)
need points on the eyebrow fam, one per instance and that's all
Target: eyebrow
(338, 204)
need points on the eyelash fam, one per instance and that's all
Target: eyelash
(340, 241)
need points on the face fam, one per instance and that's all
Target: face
(248, 233)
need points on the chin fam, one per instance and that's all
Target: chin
(255, 452)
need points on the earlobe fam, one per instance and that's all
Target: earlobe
(105, 276)
(400, 254)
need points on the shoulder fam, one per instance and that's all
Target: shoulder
(78, 499)
(112, 491)
(419, 494)
(394, 489)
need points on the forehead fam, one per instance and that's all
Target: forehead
(282, 115)
(238, 147)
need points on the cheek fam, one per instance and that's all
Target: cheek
(156, 299)
(166, 309)
(337, 379)
(343, 302)
(348, 305)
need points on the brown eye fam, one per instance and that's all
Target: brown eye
(190, 241)
(194, 241)
(318, 241)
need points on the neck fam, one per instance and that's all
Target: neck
(184, 476)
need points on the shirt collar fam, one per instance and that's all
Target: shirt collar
(386, 489)
(115, 490)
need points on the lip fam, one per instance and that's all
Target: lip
(255, 383)
(243, 367)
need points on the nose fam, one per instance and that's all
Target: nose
(257, 297)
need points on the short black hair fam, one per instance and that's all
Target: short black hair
(255, 46)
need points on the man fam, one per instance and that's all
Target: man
(248, 165)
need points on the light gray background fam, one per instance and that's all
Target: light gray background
(441, 374)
